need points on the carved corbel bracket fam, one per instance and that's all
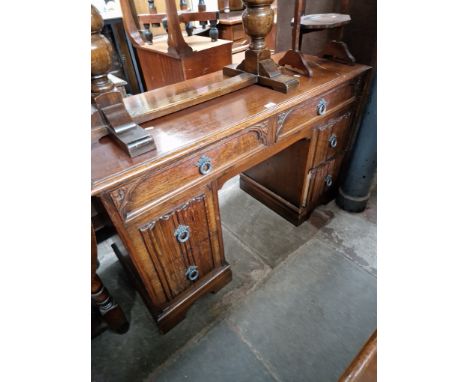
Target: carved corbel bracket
(128, 135)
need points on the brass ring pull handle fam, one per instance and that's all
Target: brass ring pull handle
(329, 180)
(321, 107)
(333, 141)
(204, 165)
(182, 233)
(192, 273)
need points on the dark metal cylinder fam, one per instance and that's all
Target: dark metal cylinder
(354, 191)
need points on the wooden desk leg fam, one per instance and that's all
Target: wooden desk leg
(112, 314)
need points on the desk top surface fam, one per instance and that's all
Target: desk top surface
(187, 131)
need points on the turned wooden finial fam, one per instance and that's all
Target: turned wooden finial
(101, 56)
(258, 18)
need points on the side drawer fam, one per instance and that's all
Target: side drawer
(333, 137)
(316, 107)
(176, 249)
(138, 195)
(324, 181)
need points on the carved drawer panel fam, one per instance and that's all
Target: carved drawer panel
(313, 108)
(324, 182)
(177, 249)
(141, 194)
(333, 137)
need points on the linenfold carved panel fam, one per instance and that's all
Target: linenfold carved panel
(171, 258)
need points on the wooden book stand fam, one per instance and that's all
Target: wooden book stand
(335, 50)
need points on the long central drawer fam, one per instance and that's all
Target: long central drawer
(139, 195)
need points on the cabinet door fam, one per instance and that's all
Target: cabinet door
(177, 248)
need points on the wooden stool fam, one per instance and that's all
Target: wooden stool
(175, 59)
(335, 50)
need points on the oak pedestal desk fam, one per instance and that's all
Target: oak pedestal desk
(288, 148)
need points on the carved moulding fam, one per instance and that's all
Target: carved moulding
(265, 132)
(150, 225)
(121, 196)
(281, 119)
(334, 121)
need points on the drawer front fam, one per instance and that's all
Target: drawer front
(314, 108)
(137, 196)
(177, 249)
(324, 182)
(333, 137)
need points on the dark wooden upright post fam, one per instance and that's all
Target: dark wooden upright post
(293, 59)
(175, 41)
(258, 21)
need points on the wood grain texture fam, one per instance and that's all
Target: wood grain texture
(178, 59)
(364, 366)
(179, 134)
(269, 135)
(111, 312)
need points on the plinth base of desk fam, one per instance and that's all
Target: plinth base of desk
(178, 308)
(273, 201)
(177, 311)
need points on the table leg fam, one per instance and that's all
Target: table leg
(112, 314)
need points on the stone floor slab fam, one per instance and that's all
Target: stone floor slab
(305, 320)
(259, 228)
(219, 356)
(133, 355)
(354, 236)
(311, 316)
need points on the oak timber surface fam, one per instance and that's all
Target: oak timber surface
(192, 129)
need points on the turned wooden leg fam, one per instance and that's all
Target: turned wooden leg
(214, 30)
(112, 314)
